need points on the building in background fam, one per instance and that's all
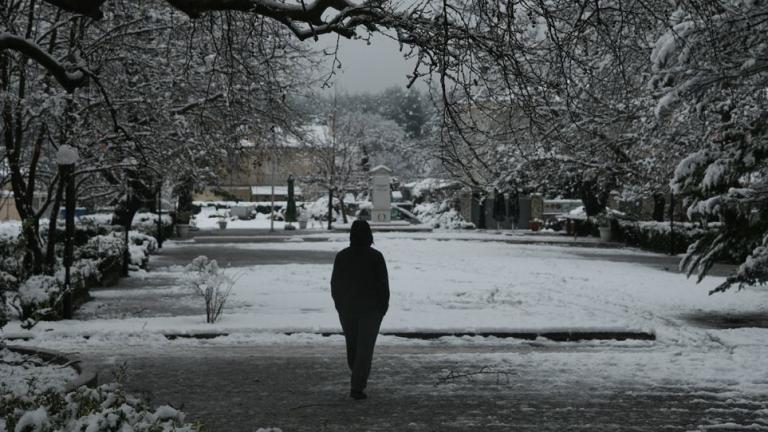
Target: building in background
(251, 171)
(8, 207)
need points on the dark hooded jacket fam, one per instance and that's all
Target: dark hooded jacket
(359, 283)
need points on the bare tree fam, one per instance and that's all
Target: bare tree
(179, 93)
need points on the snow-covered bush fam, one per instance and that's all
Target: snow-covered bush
(318, 210)
(10, 266)
(102, 247)
(109, 249)
(86, 227)
(83, 273)
(655, 236)
(141, 247)
(146, 223)
(441, 215)
(211, 283)
(38, 296)
(8, 285)
(139, 257)
(10, 245)
(105, 408)
(431, 189)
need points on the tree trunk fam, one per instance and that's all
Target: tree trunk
(594, 198)
(343, 210)
(658, 207)
(50, 254)
(330, 208)
(125, 211)
(33, 254)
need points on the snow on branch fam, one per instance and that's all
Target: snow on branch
(196, 103)
(304, 18)
(349, 15)
(69, 79)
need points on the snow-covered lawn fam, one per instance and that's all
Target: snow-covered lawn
(453, 286)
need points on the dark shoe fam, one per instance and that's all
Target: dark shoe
(358, 395)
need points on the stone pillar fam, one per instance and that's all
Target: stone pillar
(465, 204)
(614, 201)
(381, 194)
(647, 207)
(537, 207)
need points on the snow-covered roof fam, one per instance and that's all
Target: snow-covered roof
(279, 190)
(381, 169)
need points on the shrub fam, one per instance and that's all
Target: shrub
(209, 281)
(105, 408)
(38, 296)
(10, 258)
(8, 285)
(147, 242)
(84, 273)
(108, 250)
(441, 215)
(146, 223)
(655, 236)
(102, 247)
(86, 227)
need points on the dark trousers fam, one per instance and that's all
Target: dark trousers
(360, 333)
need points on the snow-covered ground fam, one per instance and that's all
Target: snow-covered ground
(22, 374)
(209, 217)
(453, 286)
(469, 285)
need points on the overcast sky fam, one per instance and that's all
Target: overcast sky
(368, 68)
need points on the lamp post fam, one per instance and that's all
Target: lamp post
(272, 180)
(129, 163)
(333, 168)
(671, 223)
(290, 208)
(66, 158)
(160, 213)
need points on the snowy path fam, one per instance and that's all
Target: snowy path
(528, 388)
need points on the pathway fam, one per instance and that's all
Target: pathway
(528, 388)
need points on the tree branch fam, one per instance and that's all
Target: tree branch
(349, 16)
(69, 79)
(89, 8)
(194, 104)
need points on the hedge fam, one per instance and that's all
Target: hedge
(655, 236)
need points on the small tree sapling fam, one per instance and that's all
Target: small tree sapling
(210, 282)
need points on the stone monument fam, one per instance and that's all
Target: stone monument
(381, 194)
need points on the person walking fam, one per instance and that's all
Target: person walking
(360, 290)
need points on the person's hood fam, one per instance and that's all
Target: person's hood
(360, 234)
